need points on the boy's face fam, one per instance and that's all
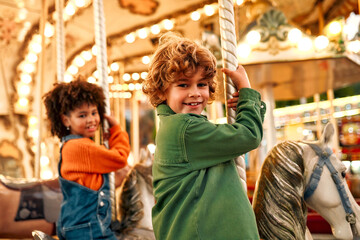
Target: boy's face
(83, 120)
(188, 94)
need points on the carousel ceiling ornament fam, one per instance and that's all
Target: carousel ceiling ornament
(142, 7)
(273, 39)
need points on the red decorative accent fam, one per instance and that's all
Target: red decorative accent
(8, 30)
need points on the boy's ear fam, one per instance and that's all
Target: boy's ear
(65, 120)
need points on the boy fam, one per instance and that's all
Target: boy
(198, 191)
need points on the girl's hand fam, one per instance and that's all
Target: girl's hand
(232, 102)
(111, 120)
(239, 77)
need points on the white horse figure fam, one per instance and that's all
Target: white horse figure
(279, 202)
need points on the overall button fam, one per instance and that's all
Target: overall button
(102, 193)
(101, 204)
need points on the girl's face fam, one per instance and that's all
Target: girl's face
(188, 94)
(83, 120)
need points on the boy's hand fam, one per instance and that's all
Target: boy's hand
(239, 77)
(111, 120)
(232, 102)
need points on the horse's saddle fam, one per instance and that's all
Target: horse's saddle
(21, 183)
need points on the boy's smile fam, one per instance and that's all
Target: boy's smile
(188, 94)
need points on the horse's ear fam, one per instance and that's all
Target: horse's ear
(327, 134)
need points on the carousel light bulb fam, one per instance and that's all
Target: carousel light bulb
(354, 46)
(49, 30)
(35, 47)
(209, 10)
(138, 86)
(110, 79)
(335, 28)
(70, 9)
(125, 87)
(114, 67)
(29, 68)
(195, 16)
(294, 35)
(305, 44)
(143, 75)
(68, 77)
(130, 38)
(86, 55)
(31, 57)
(22, 14)
(44, 161)
(46, 174)
(126, 77)
(24, 90)
(33, 121)
(131, 87)
(79, 61)
(239, 2)
(94, 50)
(80, 3)
(135, 76)
(91, 79)
(23, 102)
(142, 33)
(25, 78)
(155, 29)
(321, 42)
(35, 133)
(96, 74)
(243, 50)
(145, 60)
(168, 24)
(253, 37)
(72, 69)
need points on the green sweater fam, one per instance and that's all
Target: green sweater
(197, 188)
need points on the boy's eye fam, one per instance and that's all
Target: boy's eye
(183, 85)
(202, 84)
(94, 113)
(82, 115)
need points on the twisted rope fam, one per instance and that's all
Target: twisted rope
(228, 50)
(60, 41)
(101, 63)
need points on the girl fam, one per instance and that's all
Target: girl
(75, 111)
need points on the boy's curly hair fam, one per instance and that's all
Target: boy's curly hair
(175, 56)
(65, 97)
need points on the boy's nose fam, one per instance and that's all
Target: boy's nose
(194, 92)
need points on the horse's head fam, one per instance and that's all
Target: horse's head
(323, 195)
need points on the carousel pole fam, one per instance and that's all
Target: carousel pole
(40, 86)
(229, 59)
(60, 41)
(101, 63)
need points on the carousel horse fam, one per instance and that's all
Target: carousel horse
(295, 175)
(27, 205)
(136, 200)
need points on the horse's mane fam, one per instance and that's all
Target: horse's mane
(278, 203)
(130, 204)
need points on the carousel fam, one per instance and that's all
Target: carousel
(302, 56)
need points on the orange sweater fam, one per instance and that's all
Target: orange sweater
(84, 161)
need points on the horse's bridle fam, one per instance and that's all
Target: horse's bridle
(324, 159)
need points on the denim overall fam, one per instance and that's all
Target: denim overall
(85, 213)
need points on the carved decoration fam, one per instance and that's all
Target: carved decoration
(142, 7)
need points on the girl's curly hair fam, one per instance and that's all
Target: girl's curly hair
(65, 97)
(175, 56)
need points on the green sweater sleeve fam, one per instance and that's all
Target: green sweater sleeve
(208, 144)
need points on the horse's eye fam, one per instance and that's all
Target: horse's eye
(343, 174)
